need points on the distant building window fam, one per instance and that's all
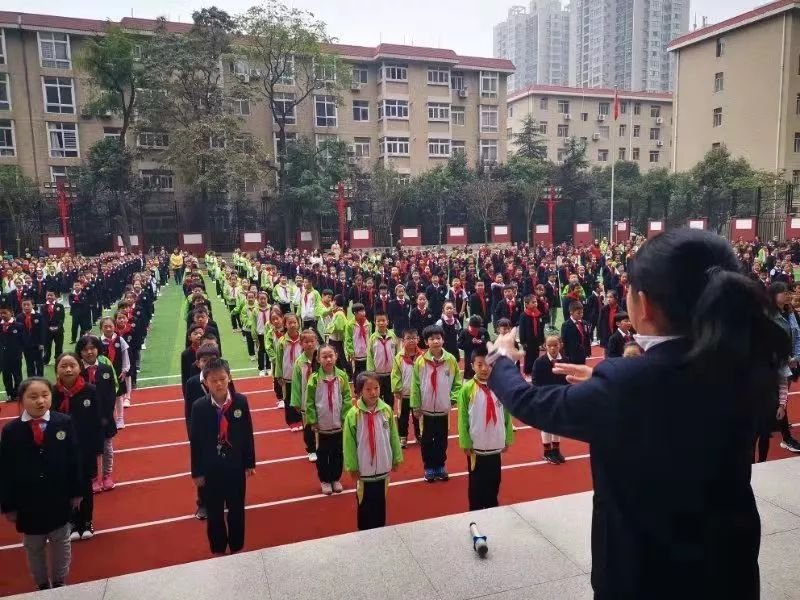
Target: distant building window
(621, 154)
(395, 72)
(396, 146)
(655, 111)
(438, 111)
(603, 108)
(563, 130)
(623, 129)
(637, 130)
(360, 110)
(59, 95)
(458, 147)
(717, 117)
(489, 84)
(393, 109)
(797, 142)
(623, 107)
(54, 50)
(488, 150)
(325, 111)
(360, 74)
(361, 147)
(2, 46)
(584, 116)
(7, 147)
(283, 107)
(62, 140)
(240, 107)
(489, 122)
(542, 103)
(457, 80)
(157, 180)
(637, 108)
(5, 94)
(655, 133)
(438, 147)
(719, 82)
(112, 132)
(563, 107)
(795, 178)
(438, 76)
(720, 46)
(635, 154)
(602, 156)
(153, 139)
(654, 155)
(458, 115)
(543, 127)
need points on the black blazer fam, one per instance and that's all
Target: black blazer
(192, 391)
(203, 438)
(476, 308)
(616, 344)
(503, 311)
(604, 329)
(107, 388)
(576, 348)
(591, 312)
(398, 316)
(662, 528)
(38, 482)
(468, 343)
(58, 317)
(543, 373)
(85, 412)
(35, 337)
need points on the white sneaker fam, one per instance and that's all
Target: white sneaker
(126, 402)
(252, 359)
(296, 428)
(327, 489)
(262, 373)
(268, 372)
(120, 424)
(74, 536)
(337, 487)
(144, 346)
(280, 404)
(312, 457)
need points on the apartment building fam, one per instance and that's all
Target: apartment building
(536, 40)
(738, 84)
(641, 134)
(409, 107)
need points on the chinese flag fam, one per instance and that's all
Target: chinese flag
(616, 105)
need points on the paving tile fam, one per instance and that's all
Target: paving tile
(92, 590)
(776, 481)
(574, 588)
(775, 519)
(779, 563)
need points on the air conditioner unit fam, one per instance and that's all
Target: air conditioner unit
(351, 150)
(566, 141)
(353, 160)
(595, 136)
(601, 118)
(659, 143)
(355, 87)
(659, 120)
(567, 116)
(462, 93)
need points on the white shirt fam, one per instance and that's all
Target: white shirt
(651, 341)
(25, 417)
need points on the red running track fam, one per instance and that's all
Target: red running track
(147, 521)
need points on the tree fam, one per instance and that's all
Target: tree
(484, 199)
(527, 182)
(18, 198)
(576, 189)
(389, 196)
(529, 141)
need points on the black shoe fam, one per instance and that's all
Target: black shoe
(44, 586)
(88, 533)
(559, 458)
(791, 444)
(550, 457)
(58, 584)
(441, 475)
(201, 514)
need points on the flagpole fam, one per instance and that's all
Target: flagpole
(613, 162)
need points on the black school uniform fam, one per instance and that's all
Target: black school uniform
(616, 343)
(577, 345)
(224, 465)
(188, 358)
(451, 333)
(32, 342)
(399, 316)
(531, 337)
(605, 324)
(80, 312)
(480, 307)
(508, 310)
(543, 372)
(469, 341)
(591, 311)
(53, 327)
(107, 388)
(39, 482)
(11, 357)
(437, 296)
(419, 321)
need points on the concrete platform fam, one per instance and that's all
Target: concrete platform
(538, 551)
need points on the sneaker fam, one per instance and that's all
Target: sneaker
(548, 456)
(403, 442)
(89, 533)
(337, 487)
(430, 475)
(560, 460)
(97, 485)
(252, 359)
(144, 346)
(280, 404)
(126, 402)
(327, 489)
(108, 483)
(58, 584)
(74, 536)
(262, 373)
(268, 372)
(201, 514)
(120, 424)
(312, 457)
(441, 475)
(791, 445)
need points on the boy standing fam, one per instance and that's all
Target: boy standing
(575, 335)
(380, 355)
(356, 341)
(53, 325)
(10, 352)
(623, 335)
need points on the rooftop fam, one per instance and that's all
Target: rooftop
(592, 92)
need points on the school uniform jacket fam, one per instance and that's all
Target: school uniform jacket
(403, 373)
(448, 384)
(381, 351)
(358, 454)
(328, 416)
(531, 330)
(399, 315)
(11, 343)
(616, 344)
(287, 352)
(55, 321)
(107, 388)
(506, 310)
(469, 342)
(605, 323)
(591, 312)
(38, 482)
(193, 390)
(204, 434)
(356, 339)
(662, 528)
(420, 321)
(33, 336)
(577, 347)
(477, 430)
(543, 371)
(451, 333)
(482, 309)
(84, 409)
(301, 373)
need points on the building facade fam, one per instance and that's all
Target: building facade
(409, 107)
(536, 40)
(641, 134)
(738, 84)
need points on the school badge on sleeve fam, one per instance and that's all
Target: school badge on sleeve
(237, 413)
(106, 375)
(61, 436)
(87, 403)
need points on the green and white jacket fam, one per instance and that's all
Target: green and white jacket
(358, 454)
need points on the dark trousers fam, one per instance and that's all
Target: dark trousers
(402, 423)
(371, 498)
(133, 354)
(484, 480)
(235, 322)
(251, 347)
(553, 315)
(82, 516)
(53, 337)
(386, 389)
(12, 376)
(309, 438)
(34, 363)
(341, 360)
(225, 489)
(762, 445)
(531, 354)
(80, 323)
(261, 355)
(434, 441)
(291, 414)
(359, 366)
(784, 429)
(312, 325)
(330, 457)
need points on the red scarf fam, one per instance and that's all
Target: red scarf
(223, 422)
(473, 331)
(50, 310)
(534, 316)
(370, 416)
(111, 348)
(491, 410)
(70, 393)
(511, 307)
(434, 365)
(91, 372)
(579, 327)
(384, 302)
(409, 360)
(36, 430)
(371, 296)
(330, 383)
(7, 326)
(384, 341)
(612, 313)
(292, 347)
(28, 321)
(362, 329)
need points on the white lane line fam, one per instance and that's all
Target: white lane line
(175, 419)
(153, 387)
(297, 499)
(179, 375)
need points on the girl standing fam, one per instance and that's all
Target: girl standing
(304, 366)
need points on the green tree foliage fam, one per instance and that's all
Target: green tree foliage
(529, 142)
(19, 198)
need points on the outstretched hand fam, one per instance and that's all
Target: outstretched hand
(506, 344)
(574, 373)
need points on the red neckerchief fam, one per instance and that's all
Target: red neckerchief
(76, 297)
(383, 341)
(512, 305)
(194, 345)
(91, 372)
(491, 410)
(434, 365)
(70, 393)
(50, 309)
(362, 329)
(111, 349)
(7, 326)
(293, 346)
(534, 316)
(28, 318)
(384, 302)
(612, 313)
(473, 331)
(330, 383)
(371, 296)
(482, 298)
(124, 332)
(19, 297)
(579, 327)
(36, 430)
(370, 416)
(222, 438)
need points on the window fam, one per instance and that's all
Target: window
(604, 131)
(488, 119)
(719, 82)
(621, 153)
(360, 110)
(7, 147)
(602, 156)
(637, 108)
(280, 148)
(543, 127)
(635, 154)
(655, 133)
(54, 51)
(395, 146)
(797, 105)
(360, 74)
(438, 111)
(458, 147)
(157, 180)
(438, 76)
(654, 156)
(59, 96)
(438, 147)
(797, 142)
(457, 80)
(326, 72)
(510, 111)
(2, 46)
(563, 130)
(361, 147)
(715, 145)
(795, 178)
(216, 142)
(63, 140)
(240, 107)
(112, 132)
(5, 94)
(717, 117)
(153, 139)
(563, 107)
(489, 84)
(457, 115)
(393, 109)
(623, 107)
(561, 154)
(542, 103)
(395, 72)
(623, 130)
(240, 68)
(488, 151)
(285, 71)
(58, 174)
(655, 111)
(284, 109)
(603, 108)
(137, 52)
(325, 111)
(637, 130)
(720, 47)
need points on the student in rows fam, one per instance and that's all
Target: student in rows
(434, 388)
(273, 337)
(115, 349)
(53, 326)
(189, 355)
(259, 330)
(125, 333)
(325, 314)
(575, 336)
(201, 316)
(337, 333)
(303, 368)
(247, 315)
(380, 355)
(399, 311)
(75, 397)
(98, 371)
(509, 307)
(451, 328)
(309, 307)
(531, 333)
(223, 456)
(287, 352)
(371, 450)
(356, 339)
(32, 338)
(622, 336)
(421, 318)
(40, 467)
(484, 432)
(606, 323)
(473, 337)
(402, 377)
(79, 311)
(543, 375)
(326, 405)
(480, 304)
(10, 351)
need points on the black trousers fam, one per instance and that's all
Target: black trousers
(53, 337)
(82, 516)
(261, 355)
(341, 360)
(34, 363)
(402, 423)
(80, 324)
(12, 376)
(484, 480)
(291, 414)
(330, 457)
(309, 438)
(386, 389)
(225, 489)
(251, 347)
(133, 354)
(359, 366)
(235, 322)
(531, 354)
(434, 441)
(371, 499)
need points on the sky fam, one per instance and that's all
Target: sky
(464, 26)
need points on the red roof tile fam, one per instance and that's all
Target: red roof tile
(761, 11)
(558, 89)
(501, 64)
(52, 22)
(350, 50)
(417, 52)
(152, 24)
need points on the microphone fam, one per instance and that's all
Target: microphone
(478, 541)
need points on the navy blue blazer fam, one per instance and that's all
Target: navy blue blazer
(671, 450)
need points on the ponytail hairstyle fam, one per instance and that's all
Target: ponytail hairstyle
(695, 279)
